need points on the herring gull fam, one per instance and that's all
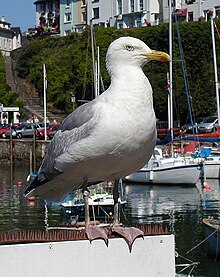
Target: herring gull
(108, 138)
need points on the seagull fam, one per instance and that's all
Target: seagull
(107, 138)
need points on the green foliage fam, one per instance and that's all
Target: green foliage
(7, 98)
(69, 66)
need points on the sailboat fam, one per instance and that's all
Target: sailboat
(172, 170)
(211, 163)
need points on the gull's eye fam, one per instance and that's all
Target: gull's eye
(129, 48)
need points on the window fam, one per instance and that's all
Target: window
(190, 16)
(67, 17)
(50, 6)
(217, 11)
(138, 21)
(119, 4)
(42, 8)
(120, 24)
(131, 5)
(141, 5)
(96, 13)
(67, 32)
(57, 5)
(188, 2)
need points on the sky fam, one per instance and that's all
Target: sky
(19, 13)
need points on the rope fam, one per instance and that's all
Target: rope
(186, 266)
(46, 216)
(202, 242)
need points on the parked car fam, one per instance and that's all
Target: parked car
(162, 129)
(187, 128)
(208, 125)
(25, 130)
(52, 129)
(6, 128)
(51, 134)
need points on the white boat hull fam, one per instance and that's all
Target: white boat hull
(212, 169)
(185, 174)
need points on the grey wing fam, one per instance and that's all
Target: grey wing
(77, 126)
(80, 116)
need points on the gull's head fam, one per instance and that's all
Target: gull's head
(132, 51)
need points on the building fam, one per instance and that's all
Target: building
(190, 10)
(135, 13)
(123, 13)
(66, 16)
(72, 16)
(47, 16)
(10, 38)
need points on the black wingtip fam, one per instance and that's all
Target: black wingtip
(34, 184)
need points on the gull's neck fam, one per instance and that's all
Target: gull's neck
(131, 77)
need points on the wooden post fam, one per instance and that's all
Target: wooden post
(11, 146)
(34, 151)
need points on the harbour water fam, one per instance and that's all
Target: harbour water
(180, 208)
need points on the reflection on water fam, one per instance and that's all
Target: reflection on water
(182, 208)
(16, 212)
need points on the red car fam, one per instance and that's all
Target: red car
(52, 128)
(162, 129)
(6, 128)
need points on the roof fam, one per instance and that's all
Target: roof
(5, 23)
(7, 31)
(16, 30)
(39, 1)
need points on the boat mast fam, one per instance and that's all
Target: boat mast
(170, 95)
(215, 66)
(93, 58)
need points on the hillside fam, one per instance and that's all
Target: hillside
(7, 97)
(69, 66)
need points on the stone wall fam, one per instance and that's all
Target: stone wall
(19, 150)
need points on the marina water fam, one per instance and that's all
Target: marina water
(180, 208)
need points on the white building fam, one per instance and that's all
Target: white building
(191, 10)
(10, 38)
(100, 12)
(66, 16)
(47, 16)
(72, 16)
(123, 13)
(76, 14)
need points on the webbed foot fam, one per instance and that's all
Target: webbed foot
(95, 232)
(129, 234)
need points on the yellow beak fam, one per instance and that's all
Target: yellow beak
(158, 56)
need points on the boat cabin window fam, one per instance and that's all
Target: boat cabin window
(155, 164)
(156, 152)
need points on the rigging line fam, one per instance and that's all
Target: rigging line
(95, 52)
(201, 242)
(184, 73)
(184, 258)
